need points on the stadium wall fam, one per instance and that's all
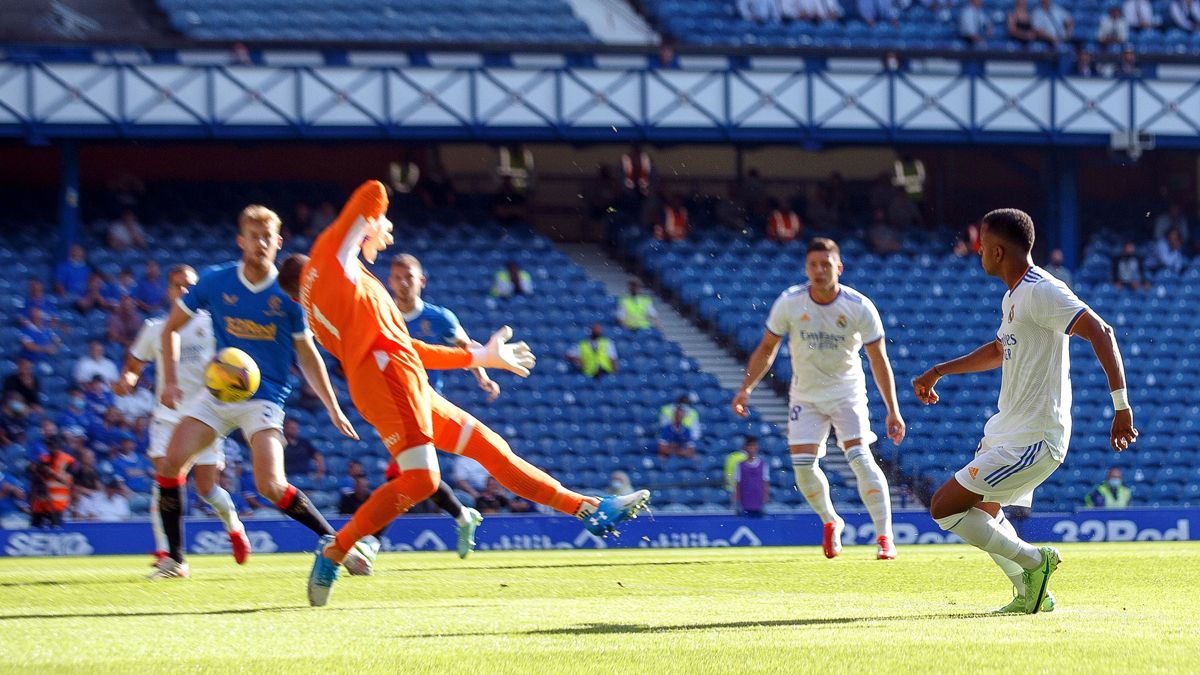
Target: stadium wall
(428, 533)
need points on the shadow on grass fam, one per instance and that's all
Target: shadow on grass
(557, 566)
(633, 629)
(164, 612)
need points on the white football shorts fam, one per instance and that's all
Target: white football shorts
(1007, 475)
(160, 436)
(809, 423)
(251, 416)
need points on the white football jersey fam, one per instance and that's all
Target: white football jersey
(196, 348)
(824, 341)
(1035, 386)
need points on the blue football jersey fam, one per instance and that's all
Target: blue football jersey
(436, 326)
(260, 320)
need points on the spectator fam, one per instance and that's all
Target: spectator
(95, 364)
(300, 456)
(77, 414)
(974, 26)
(1052, 23)
(126, 284)
(512, 280)
(12, 495)
(759, 11)
(86, 474)
(14, 418)
(691, 418)
(125, 232)
(1127, 269)
(38, 341)
(36, 297)
(96, 296)
(1139, 14)
(902, 212)
(882, 237)
(1128, 65)
(354, 498)
(676, 440)
(510, 205)
(1185, 15)
(672, 223)
(619, 484)
(602, 193)
(24, 384)
(752, 481)
(666, 57)
(124, 323)
(50, 486)
(71, 275)
(301, 219)
(495, 499)
(1168, 252)
(1172, 219)
(1111, 494)
(636, 311)
(470, 477)
(133, 468)
(811, 10)
(354, 471)
(1056, 269)
(638, 171)
(822, 211)
(783, 224)
(872, 11)
(1020, 23)
(1084, 67)
(1114, 30)
(595, 356)
(46, 435)
(139, 403)
(109, 506)
(100, 399)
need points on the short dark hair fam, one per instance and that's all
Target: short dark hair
(1012, 225)
(289, 274)
(823, 244)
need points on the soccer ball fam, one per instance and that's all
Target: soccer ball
(231, 376)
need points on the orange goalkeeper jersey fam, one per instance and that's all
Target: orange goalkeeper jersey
(349, 310)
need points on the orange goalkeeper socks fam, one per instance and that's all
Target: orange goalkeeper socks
(522, 478)
(383, 506)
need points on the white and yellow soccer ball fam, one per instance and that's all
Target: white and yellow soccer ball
(232, 376)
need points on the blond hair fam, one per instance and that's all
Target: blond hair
(257, 213)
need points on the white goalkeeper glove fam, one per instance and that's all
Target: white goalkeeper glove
(498, 353)
(376, 237)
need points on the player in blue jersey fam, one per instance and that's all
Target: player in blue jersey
(249, 312)
(436, 325)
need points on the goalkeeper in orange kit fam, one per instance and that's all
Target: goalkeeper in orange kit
(354, 317)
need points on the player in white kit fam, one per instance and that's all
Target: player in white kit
(1027, 439)
(827, 324)
(196, 350)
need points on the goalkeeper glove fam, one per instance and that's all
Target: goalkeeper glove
(498, 353)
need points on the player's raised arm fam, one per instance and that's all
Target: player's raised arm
(141, 352)
(360, 228)
(987, 357)
(881, 370)
(312, 366)
(177, 319)
(481, 376)
(760, 362)
(1095, 330)
(515, 357)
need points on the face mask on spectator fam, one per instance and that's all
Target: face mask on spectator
(1114, 483)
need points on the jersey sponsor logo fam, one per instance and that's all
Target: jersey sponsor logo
(230, 299)
(821, 340)
(246, 329)
(273, 306)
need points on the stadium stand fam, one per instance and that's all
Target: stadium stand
(716, 23)
(935, 306)
(356, 21)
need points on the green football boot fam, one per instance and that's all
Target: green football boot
(1037, 580)
(1017, 606)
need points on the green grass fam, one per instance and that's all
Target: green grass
(1121, 607)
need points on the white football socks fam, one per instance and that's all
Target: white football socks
(1012, 570)
(160, 536)
(813, 484)
(872, 488)
(978, 529)
(222, 503)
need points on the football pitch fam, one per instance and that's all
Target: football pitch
(1122, 607)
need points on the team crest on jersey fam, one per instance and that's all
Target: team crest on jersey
(973, 471)
(841, 321)
(1012, 312)
(229, 298)
(426, 327)
(273, 306)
